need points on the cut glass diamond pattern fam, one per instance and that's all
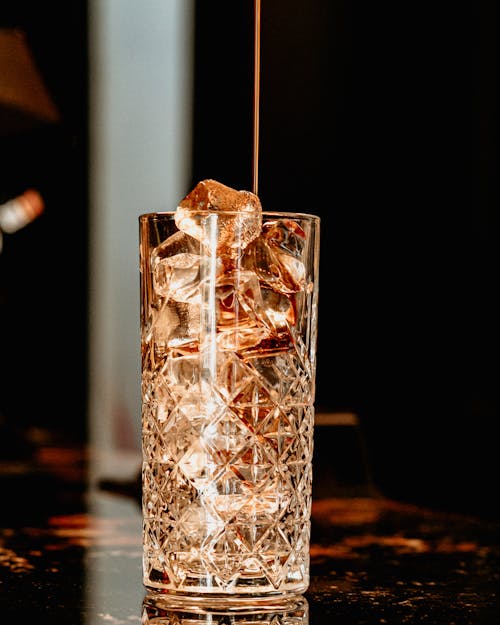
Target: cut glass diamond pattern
(228, 340)
(236, 490)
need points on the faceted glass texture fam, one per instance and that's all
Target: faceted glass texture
(228, 346)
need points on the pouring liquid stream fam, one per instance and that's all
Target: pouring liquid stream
(256, 97)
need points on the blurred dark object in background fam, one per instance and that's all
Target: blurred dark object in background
(43, 134)
(25, 101)
(20, 211)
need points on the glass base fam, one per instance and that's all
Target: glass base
(170, 609)
(269, 577)
(258, 587)
(237, 597)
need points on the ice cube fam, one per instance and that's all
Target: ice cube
(176, 269)
(276, 256)
(177, 243)
(178, 278)
(239, 311)
(279, 311)
(233, 230)
(176, 325)
(286, 234)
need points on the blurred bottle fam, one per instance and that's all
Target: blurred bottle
(20, 211)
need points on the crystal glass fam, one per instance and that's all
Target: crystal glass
(228, 346)
(293, 611)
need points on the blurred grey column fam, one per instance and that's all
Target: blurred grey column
(140, 85)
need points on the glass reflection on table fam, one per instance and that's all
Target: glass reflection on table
(162, 610)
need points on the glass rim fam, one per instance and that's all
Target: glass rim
(153, 215)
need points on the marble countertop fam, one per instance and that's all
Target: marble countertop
(71, 554)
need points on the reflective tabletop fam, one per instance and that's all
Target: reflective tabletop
(70, 553)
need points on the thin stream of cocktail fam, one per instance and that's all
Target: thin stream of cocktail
(256, 97)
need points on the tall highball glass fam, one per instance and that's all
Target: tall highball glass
(228, 346)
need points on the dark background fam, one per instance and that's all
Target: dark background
(43, 267)
(379, 119)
